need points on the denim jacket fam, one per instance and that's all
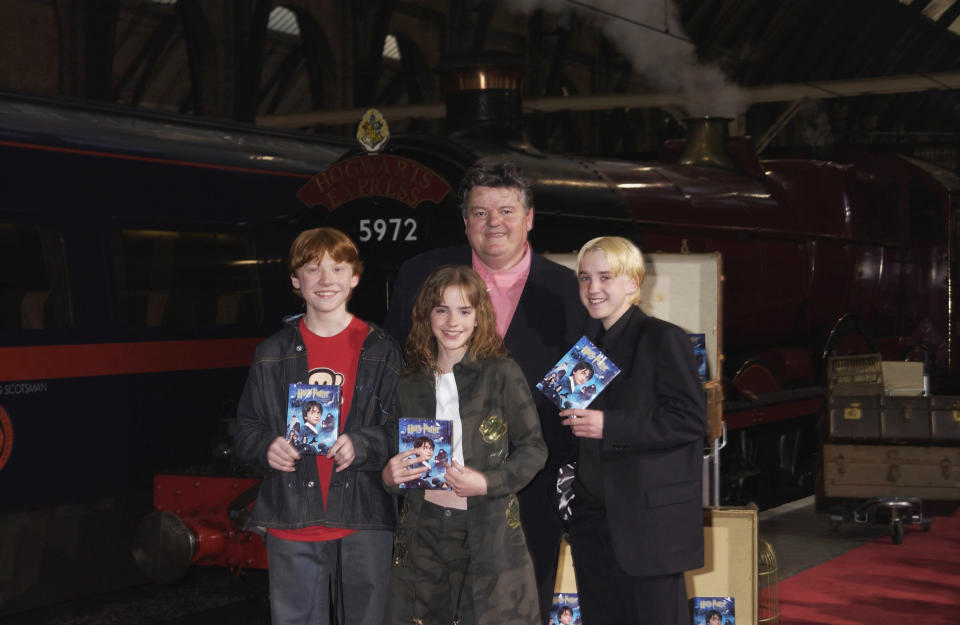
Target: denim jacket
(356, 497)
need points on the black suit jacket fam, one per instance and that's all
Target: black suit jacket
(548, 320)
(650, 458)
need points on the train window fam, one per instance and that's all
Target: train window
(185, 279)
(33, 272)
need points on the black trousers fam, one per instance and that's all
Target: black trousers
(544, 530)
(609, 595)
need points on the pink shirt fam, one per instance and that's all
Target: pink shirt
(504, 287)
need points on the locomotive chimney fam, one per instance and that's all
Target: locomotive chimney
(705, 143)
(482, 92)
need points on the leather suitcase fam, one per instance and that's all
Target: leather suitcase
(855, 417)
(945, 418)
(863, 471)
(905, 418)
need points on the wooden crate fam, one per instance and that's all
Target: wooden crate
(862, 471)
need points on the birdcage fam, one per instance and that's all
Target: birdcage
(855, 375)
(768, 599)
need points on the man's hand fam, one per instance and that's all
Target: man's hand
(583, 423)
(281, 455)
(466, 482)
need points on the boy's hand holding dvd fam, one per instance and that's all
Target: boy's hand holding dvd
(578, 377)
(313, 418)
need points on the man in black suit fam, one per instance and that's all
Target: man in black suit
(538, 314)
(637, 511)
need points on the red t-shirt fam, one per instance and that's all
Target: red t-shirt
(331, 360)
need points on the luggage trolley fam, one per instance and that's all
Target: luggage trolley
(902, 510)
(860, 413)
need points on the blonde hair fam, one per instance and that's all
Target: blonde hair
(421, 350)
(623, 257)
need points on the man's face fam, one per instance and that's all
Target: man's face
(497, 224)
(313, 415)
(580, 376)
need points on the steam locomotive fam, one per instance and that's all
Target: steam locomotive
(143, 258)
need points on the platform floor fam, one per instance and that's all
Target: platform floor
(801, 537)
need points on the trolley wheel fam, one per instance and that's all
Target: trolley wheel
(834, 524)
(925, 524)
(896, 531)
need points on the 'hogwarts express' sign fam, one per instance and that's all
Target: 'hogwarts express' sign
(380, 175)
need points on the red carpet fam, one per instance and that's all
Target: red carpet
(917, 582)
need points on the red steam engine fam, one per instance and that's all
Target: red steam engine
(852, 256)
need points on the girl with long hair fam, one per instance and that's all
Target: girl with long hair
(460, 555)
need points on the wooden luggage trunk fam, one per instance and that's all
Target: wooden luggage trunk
(905, 419)
(945, 418)
(862, 471)
(855, 417)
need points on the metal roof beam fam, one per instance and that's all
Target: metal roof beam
(821, 90)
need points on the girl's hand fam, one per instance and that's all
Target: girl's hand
(281, 455)
(583, 423)
(466, 482)
(398, 471)
(342, 452)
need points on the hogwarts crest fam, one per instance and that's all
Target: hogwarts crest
(373, 132)
(492, 428)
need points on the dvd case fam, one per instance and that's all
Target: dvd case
(578, 377)
(713, 611)
(436, 435)
(699, 344)
(565, 610)
(313, 417)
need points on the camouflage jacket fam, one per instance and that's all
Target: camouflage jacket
(502, 439)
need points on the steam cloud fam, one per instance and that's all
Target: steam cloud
(667, 63)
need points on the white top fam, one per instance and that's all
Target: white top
(448, 409)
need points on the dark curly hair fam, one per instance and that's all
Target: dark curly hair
(498, 175)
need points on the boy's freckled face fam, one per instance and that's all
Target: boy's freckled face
(325, 284)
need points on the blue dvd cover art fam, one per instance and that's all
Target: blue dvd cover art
(579, 376)
(565, 610)
(699, 343)
(313, 417)
(713, 611)
(437, 437)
